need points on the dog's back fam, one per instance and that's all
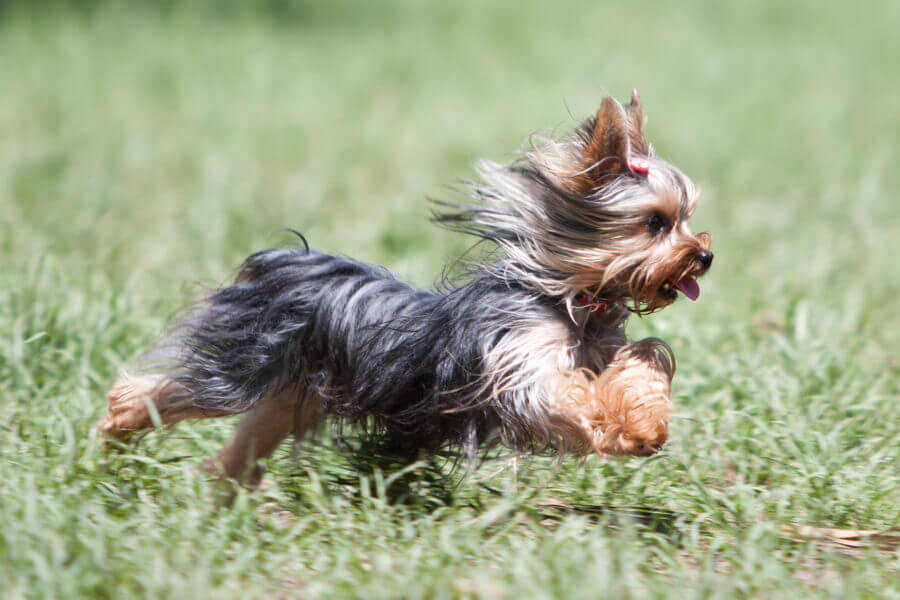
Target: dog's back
(360, 341)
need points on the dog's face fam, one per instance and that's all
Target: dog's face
(648, 252)
(626, 214)
(595, 214)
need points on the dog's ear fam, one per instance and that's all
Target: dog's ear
(606, 148)
(634, 114)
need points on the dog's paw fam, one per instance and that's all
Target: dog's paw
(128, 406)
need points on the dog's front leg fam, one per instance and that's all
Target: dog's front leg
(623, 409)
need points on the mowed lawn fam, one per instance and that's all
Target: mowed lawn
(144, 152)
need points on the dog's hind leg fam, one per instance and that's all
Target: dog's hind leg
(262, 430)
(133, 400)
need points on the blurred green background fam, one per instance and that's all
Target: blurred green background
(146, 148)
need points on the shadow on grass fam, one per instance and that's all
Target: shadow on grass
(651, 519)
(358, 470)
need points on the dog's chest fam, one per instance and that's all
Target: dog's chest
(549, 343)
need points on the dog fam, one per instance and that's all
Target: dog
(528, 350)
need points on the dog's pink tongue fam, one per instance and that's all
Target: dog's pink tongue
(689, 287)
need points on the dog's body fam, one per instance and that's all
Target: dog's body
(530, 352)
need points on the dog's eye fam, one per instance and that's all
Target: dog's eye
(657, 223)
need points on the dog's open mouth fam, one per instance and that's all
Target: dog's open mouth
(686, 285)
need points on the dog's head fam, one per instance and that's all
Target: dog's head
(594, 213)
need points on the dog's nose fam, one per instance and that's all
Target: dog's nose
(705, 257)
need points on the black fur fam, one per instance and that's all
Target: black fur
(367, 343)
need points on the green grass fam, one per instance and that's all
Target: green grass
(144, 153)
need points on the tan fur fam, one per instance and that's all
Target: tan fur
(606, 153)
(594, 399)
(634, 113)
(256, 438)
(129, 401)
(623, 409)
(260, 433)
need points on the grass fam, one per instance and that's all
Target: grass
(144, 152)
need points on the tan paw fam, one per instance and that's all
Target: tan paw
(128, 409)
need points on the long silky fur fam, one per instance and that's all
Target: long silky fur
(417, 363)
(463, 366)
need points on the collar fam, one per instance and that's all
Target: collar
(593, 303)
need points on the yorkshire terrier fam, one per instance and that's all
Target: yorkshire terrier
(529, 352)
